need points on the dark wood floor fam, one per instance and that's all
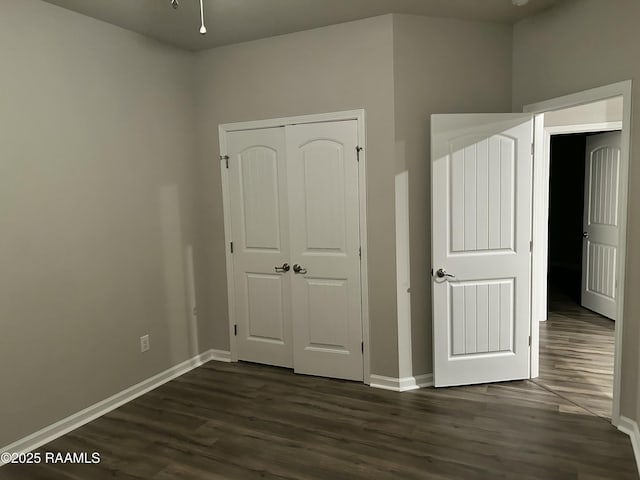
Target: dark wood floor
(576, 355)
(244, 421)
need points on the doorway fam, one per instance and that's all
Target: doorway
(461, 146)
(576, 342)
(556, 108)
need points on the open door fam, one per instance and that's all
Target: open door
(601, 232)
(481, 239)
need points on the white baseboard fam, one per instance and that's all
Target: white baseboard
(220, 355)
(402, 384)
(425, 380)
(82, 417)
(630, 427)
(385, 383)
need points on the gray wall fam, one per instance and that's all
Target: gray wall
(580, 45)
(609, 110)
(440, 66)
(342, 67)
(96, 202)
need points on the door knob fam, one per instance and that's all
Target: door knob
(284, 268)
(297, 269)
(442, 273)
(585, 234)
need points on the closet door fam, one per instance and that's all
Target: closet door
(260, 233)
(322, 171)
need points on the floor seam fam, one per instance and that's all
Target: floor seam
(608, 420)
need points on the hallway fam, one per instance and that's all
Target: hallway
(576, 356)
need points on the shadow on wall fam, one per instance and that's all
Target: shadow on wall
(179, 280)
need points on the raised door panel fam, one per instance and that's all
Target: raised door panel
(482, 317)
(265, 310)
(482, 207)
(603, 165)
(260, 198)
(601, 269)
(328, 304)
(324, 199)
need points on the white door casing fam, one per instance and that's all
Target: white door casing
(601, 224)
(481, 233)
(324, 224)
(260, 232)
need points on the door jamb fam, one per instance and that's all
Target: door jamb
(359, 116)
(541, 197)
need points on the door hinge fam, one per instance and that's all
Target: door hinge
(358, 150)
(362, 347)
(235, 330)
(360, 252)
(531, 246)
(226, 159)
(231, 246)
(532, 149)
(529, 340)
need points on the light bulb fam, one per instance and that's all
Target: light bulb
(203, 29)
(175, 4)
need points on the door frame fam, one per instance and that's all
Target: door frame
(539, 305)
(541, 169)
(223, 129)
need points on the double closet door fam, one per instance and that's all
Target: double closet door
(294, 204)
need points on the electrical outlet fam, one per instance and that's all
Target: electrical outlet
(144, 343)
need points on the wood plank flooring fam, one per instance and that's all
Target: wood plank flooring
(245, 421)
(576, 355)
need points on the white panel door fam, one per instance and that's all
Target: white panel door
(601, 220)
(324, 223)
(481, 232)
(259, 224)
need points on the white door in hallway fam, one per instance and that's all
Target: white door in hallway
(324, 223)
(481, 232)
(601, 224)
(260, 232)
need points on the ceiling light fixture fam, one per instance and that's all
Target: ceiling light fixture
(203, 30)
(519, 3)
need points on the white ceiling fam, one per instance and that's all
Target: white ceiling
(234, 21)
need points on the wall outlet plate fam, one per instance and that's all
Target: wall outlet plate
(144, 343)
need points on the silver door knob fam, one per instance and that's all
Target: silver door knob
(297, 269)
(585, 234)
(284, 268)
(442, 273)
